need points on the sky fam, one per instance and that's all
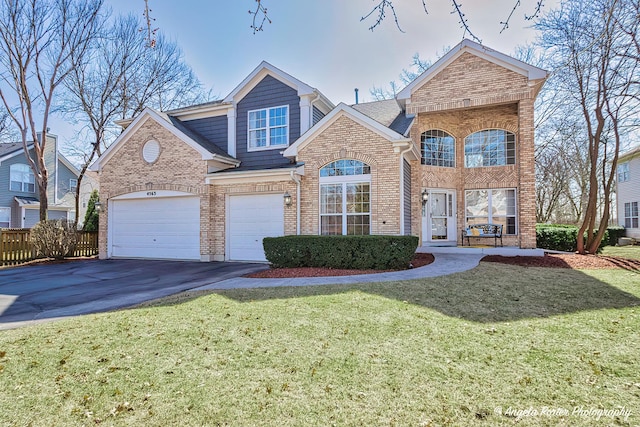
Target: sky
(323, 43)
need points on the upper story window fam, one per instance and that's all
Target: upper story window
(491, 147)
(345, 194)
(345, 167)
(438, 148)
(73, 184)
(22, 178)
(623, 172)
(268, 128)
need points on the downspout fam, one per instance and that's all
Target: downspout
(402, 153)
(297, 181)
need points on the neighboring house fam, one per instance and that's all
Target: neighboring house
(276, 157)
(19, 193)
(628, 192)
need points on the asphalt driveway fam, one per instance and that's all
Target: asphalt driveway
(46, 291)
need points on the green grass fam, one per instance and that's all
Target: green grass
(629, 251)
(442, 351)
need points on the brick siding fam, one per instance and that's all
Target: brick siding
(178, 168)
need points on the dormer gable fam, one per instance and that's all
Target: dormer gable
(471, 75)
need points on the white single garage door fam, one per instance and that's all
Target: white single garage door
(164, 228)
(252, 218)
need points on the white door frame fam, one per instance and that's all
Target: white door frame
(447, 215)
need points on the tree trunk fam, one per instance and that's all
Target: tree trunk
(42, 190)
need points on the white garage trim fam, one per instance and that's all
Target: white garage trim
(250, 218)
(156, 224)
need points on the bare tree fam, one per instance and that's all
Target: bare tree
(6, 131)
(40, 41)
(384, 8)
(592, 54)
(407, 75)
(117, 78)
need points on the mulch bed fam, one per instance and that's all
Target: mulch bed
(419, 260)
(576, 261)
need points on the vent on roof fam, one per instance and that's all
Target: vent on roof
(356, 91)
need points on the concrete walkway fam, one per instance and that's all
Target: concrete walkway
(444, 264)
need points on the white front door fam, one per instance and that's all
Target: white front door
(439, 218)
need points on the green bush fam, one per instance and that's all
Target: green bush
(91, 218)
(54, 238)
(349, 252)
(562, 237)
(615, 233)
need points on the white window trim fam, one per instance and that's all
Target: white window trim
(9, 210)
(631, 215)
(22, 182)
(267, 128)
(344, 180)
(623, 170)
(422, 158)
(506, 159)
(71, 186)
(489, 214)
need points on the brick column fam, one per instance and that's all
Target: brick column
(526, 189)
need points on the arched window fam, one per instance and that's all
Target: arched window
(21, 178)
(491, 147)
(345, 194)
(438, 148)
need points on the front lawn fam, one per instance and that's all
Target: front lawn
(476, 347)
(628, 251)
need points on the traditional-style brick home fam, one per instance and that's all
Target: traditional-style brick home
(628, 192)
(276, 157)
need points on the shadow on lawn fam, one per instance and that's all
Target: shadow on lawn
(489, 293)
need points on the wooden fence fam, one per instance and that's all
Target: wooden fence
(16, 247)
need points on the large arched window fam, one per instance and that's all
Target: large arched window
(345, 193)
(21, 178)
(491, 147)
(438, 148)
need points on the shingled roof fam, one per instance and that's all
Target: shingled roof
(388, 113)
(8, 148)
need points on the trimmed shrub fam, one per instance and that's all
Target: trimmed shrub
(562, 237)
(557, 238)
(348, 252)
(615, 233)
(54, 238)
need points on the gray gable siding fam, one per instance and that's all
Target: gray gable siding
(7, 196)
(317, 115)
(213, 129)
(64, 175)
(270, 92)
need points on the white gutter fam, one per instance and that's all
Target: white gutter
(297, 181)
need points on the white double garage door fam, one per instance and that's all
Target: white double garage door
(166, 225)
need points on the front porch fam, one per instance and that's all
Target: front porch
(480, 249)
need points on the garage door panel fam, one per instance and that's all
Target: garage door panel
(166, 228)
(251, 219)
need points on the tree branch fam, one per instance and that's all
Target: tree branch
(462, 20)
(259, 14)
